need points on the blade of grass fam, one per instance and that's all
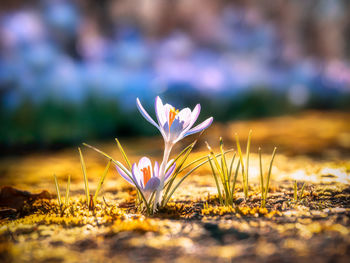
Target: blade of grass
(245, 190)
(184, 168)
(123, 153)
(261, 175)
(175, 173)
(247, 159)
(235, 179)
(216, 180)
(135, 183)
(100, 183)
(67, 191)
(269, 174)
(201, 159)
(123, 168)
(182, 179)
(86, 183)
(99, 151)
(184, 151)
(58, 191)
(231, 166)
(225, 170)
(219, 169)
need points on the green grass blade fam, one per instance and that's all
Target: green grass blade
(261, 175)
(100, 183)
(219, 169)
(128, 173)
(225, 172)
(201, 159)
(67, 191)
(235, 179)
(123, 153)
(58, 191)
(216, 162)
(223, 161)
(231, 166)
(181, 163)
(245, 190)
(86, 183)
(247, 159)
(175, 173)
(124, 169)
(269, 174)
(182, 169)
(184, 151)
(182, 179)
(216, 180)
(99, 151)
(193, 162)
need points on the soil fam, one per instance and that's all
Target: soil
(313, 148)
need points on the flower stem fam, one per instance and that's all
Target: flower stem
(162, 169)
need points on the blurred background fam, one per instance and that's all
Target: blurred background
(70, 71)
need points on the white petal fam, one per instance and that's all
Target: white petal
(205, 124)
(145, 114)
(156, 169)
(184, 117)
(160, 112)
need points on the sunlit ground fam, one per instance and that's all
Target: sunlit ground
(313, 147)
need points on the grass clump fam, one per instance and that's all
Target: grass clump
(297, 197)
(59, 199)
(245, 172)
(224, 176)
(227, 181)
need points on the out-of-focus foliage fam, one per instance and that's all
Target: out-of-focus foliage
(71, 70)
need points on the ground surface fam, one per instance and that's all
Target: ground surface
(313, 147)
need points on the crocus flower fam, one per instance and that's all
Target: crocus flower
(144, 175)
(174, 124)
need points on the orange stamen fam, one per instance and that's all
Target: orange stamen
(146, 174)
(172, 115)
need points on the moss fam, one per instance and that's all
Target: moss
(239, 211)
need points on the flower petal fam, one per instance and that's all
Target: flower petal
(205, 124)
(136, 175)
(176, 129)
(191, 120)
(160, 111)
(152, 184)
(124, 175)
(156, 169)
(144, 163)
(184, 116)
(145, 114)
(194, 115)
(170, 171)
(161, 117)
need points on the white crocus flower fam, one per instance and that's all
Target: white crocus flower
(174, 125)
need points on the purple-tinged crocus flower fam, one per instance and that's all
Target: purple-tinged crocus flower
(173, 124)
(145, 176)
